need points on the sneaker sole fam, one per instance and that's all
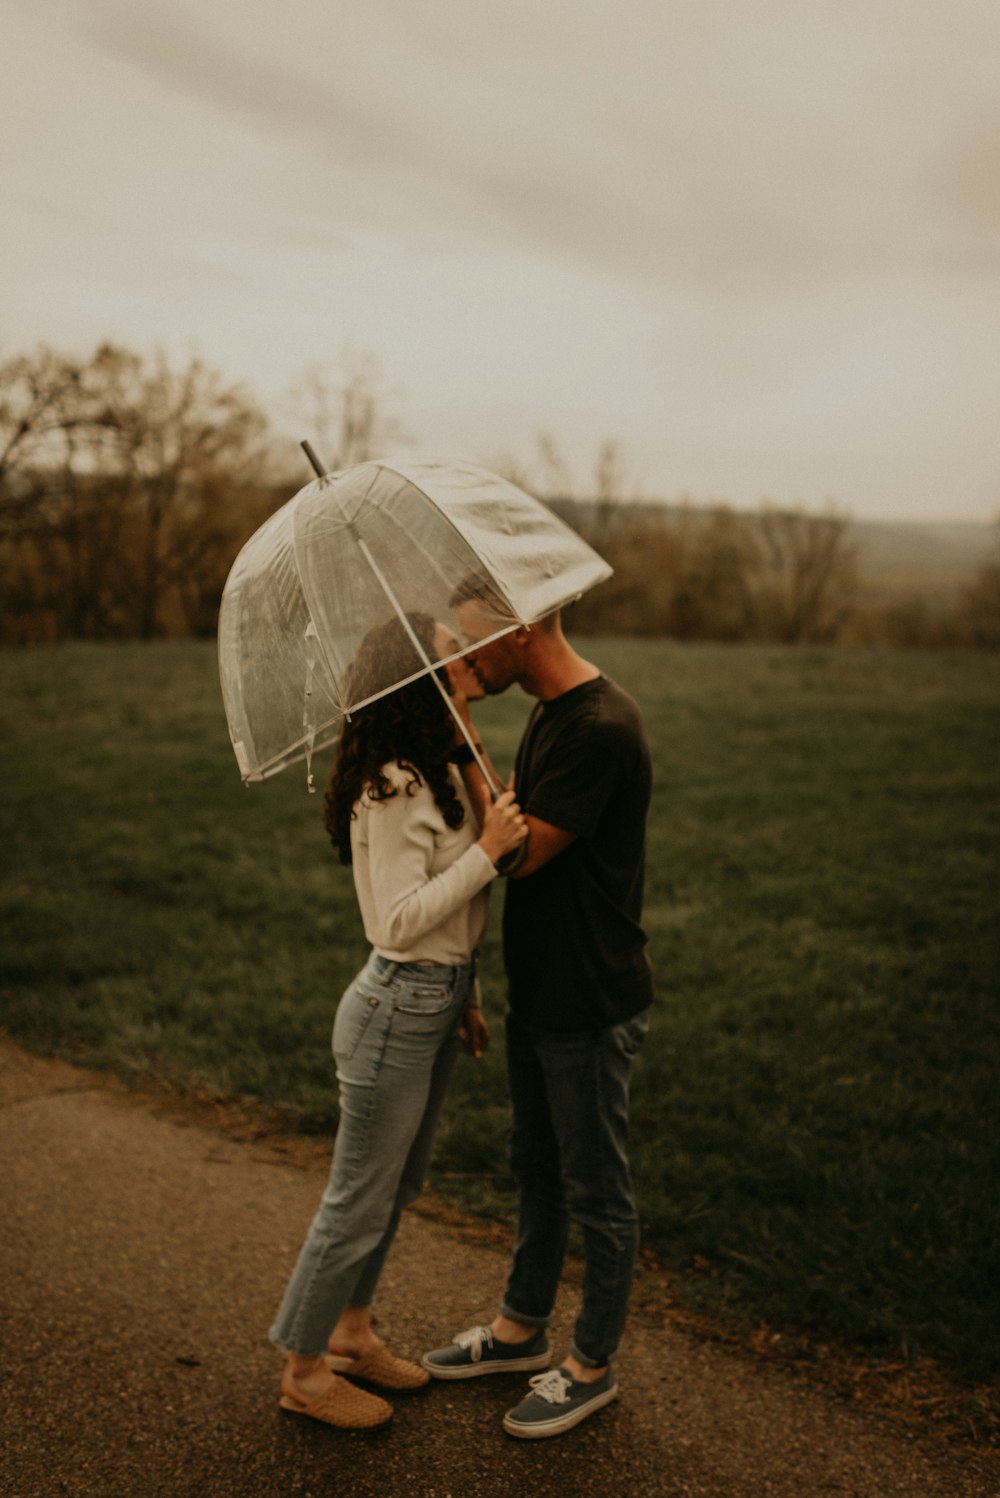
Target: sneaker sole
(495, 1365)
(537, 1430)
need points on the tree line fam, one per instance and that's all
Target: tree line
(127, 486)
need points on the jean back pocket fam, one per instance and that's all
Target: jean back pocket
(354, 1014)
(417, 998)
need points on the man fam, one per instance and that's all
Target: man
(580, 989)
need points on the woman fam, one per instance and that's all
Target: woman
(396, 809)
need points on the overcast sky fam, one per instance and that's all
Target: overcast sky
(757, 242)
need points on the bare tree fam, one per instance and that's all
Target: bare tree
(609, 482)
(57, 536)
(803, 575)
(710, 584)
(346, 415)
(184, 441)
(555, 479)
(647, 555)
(38, 403)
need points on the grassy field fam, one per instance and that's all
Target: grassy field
(816, 1115)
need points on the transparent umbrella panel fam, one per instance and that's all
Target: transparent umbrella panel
(355, 550)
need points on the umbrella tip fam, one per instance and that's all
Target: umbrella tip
(307, 448)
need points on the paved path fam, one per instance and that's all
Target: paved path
(141, 1257)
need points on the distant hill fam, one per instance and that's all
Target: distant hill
(929, 559)
(897, 560)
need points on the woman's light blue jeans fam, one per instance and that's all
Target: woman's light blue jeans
(395, 1039)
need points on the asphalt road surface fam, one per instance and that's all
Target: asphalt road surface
(142, 1256)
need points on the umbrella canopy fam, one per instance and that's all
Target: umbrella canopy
(355, 549)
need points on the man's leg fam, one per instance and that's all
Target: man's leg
(516, 1340)
(543, 1218)
(587, 1077)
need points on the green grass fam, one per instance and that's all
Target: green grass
(815, 1113)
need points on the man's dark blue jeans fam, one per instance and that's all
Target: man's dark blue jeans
(569, 1094)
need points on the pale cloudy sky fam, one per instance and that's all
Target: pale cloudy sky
(757, 242)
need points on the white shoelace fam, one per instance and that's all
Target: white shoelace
(475, 1339)
(553, 1386)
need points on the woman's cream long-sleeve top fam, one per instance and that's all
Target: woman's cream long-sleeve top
(423, 887)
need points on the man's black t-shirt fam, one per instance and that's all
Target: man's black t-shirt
(574, 947)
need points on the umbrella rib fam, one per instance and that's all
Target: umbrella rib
(479, 550)
(281, 759)
(404, 621)
(448, 520)
(331, 673)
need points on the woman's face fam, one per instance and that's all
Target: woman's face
(461, 677)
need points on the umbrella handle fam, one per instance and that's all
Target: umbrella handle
(510, 862)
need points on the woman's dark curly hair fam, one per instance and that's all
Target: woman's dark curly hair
(411, 725)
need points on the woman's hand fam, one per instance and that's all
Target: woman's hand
(504, 828)
(474, 1034)
(462, 682)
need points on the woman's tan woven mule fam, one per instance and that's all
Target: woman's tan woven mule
(342, 1405)
(381, 1368)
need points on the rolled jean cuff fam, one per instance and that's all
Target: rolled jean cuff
(277, 1340)
(520, 1317)
(586, 1362)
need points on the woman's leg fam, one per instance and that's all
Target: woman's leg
(410, 1184)
(387, 1039)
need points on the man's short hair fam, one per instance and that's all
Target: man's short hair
(549, 623)
(478, 587)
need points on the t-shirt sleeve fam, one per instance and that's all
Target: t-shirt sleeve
(410, 900)
(582, 769)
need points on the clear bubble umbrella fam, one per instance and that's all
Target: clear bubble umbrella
(355, 549)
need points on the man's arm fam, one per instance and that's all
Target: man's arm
(544, 843)
(544, 840)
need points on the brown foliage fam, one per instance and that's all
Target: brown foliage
(715, 574)
(979, 610)
(124, 491)
(127, 488)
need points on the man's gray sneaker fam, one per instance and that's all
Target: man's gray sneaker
(557, 1402)
(478, 1351)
